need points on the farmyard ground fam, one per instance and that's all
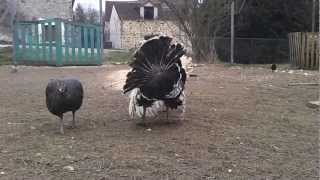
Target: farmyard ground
(242, 122)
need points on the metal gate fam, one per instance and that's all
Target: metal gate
(56, 42)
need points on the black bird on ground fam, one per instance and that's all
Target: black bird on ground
(157, 79)
(273, 67)
(63, 95)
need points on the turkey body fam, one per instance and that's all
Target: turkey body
(157, 79)
(273, 67)
(63, 95)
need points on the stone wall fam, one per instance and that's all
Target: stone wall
(34, 9)
(134, 31)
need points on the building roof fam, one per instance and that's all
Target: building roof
(130, 10)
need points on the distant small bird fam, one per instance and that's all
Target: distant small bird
(273, 67)
(63, 95)
(157, 79)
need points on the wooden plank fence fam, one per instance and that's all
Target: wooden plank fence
(56, 42)
(304, 50)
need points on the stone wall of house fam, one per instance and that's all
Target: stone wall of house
(132, 32)
(34, 9)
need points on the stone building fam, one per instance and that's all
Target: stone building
(31, 10)
(126, 23)
(35, 9)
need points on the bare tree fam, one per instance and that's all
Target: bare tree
(89, 15)
(202, 21)
(8, 12)
(92, 16)
(80, 15)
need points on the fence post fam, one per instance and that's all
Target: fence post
(66, 44)
(73, 43)
(307, 56)
(317, 44)
(43, 42)
(299, 40)
(295, 48)
(98, 44)
(36, 33)
(299, 49)
(80, 43)
(15, 43)
(312, 50)
(58, 42)
(303, 48)
(86, 42)
(290, 50)
(91, 44)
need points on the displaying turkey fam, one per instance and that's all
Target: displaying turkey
(157, 79)
(63, 95)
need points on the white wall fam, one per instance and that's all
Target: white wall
(155, 13)
(142, 12)
(115, 29)
(107, 31)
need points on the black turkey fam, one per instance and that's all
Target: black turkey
(63, 95)
(157, 79)
(273, 67)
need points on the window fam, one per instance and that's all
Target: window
(148, 12)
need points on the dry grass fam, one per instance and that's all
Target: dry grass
(118, 56)
(5, 56)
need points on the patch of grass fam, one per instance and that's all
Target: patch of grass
(5, 56)
(119, 56)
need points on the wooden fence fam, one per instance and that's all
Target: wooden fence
(56, 42)
(304, 50)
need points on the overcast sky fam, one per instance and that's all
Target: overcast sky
(93, 3)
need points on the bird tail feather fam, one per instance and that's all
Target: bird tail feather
(136, 110)
(154, 56)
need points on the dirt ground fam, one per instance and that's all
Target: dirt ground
(242, 122)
